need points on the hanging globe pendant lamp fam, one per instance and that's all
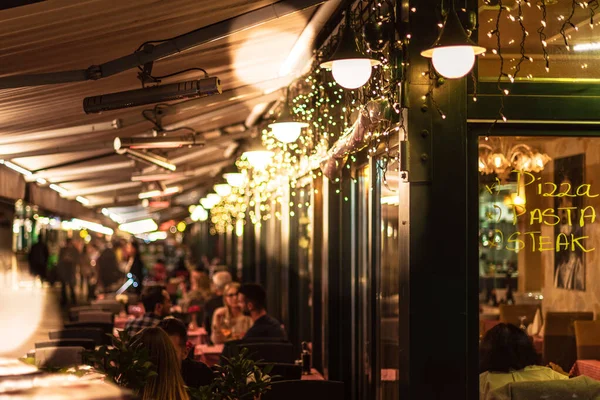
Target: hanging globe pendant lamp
(350, 68)
(453, 53)
(286, 128)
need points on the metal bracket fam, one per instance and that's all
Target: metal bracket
(94, 72)
(404, 156)
(145, 75)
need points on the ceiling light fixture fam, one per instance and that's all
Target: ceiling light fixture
(223, 189)
(199, 214)
(58, 189)
(141, 226)
(162, 142)
(502, 157)
(149, 158)
(286, 128)
(350, 68)
(211, 200)
(453, 53)
(155, 94)
(235, 179)
(591, 46)
(160, 193)
(92, 226)
(18, 168)
(82, 200)
(258, 159)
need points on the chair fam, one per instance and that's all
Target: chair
(303, 390)
(107, 329)
(59, 357)
(96, 316)
(511, 313)
(266, 351)
(74, 311)
(109, 305)
(283, 372)
(87, 344)
(587, 338)
(95, 334)
(581, 387)
(559, 337)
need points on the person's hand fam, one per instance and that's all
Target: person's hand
(557, 368)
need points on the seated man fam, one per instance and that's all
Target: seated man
(157, 303)
(252, 299)
(194, 373)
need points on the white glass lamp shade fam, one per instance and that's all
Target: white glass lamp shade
(352, 73)
(235, 179)
(206, 204)
(199, 214)
(211, 200)
(287, 132)
(259, 159)
(223, 189)
(453, 62)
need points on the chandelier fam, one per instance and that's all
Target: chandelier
(501, 157)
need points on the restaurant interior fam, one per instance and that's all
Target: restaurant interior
(326, 199)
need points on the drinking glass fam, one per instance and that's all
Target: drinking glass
(522, 318)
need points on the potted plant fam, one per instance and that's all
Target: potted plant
(239, 378)
(125, 366)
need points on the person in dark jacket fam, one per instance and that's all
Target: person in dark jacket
(107, 266)
(195, 373)
(253, 298)
(68, 259)
(38, 258)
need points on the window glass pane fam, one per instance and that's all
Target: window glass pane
(363, 280)
(304, 211)
(389, 340)
(538, 241)
(580, 62)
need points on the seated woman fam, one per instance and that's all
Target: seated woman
(168, 383)
(229, 323)
(506, 354)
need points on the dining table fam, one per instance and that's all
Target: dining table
(589, 368)
(22, 381)
(198, 336)
(313, 376)
(211, 355)
(208, 354)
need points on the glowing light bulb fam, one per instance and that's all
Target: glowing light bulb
(287, 132)
(481, 165)
(223, 189)
(453, 61)
(497, 161)
(235, 179)
(258, 159)
(351, 73)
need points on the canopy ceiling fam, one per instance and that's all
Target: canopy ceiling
(62, 35)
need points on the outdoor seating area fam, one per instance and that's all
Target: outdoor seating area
(260, 199)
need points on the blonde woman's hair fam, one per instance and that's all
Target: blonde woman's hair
(168, 383)
(232, 285)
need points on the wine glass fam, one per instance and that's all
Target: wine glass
(522, 318)
(226, 328)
